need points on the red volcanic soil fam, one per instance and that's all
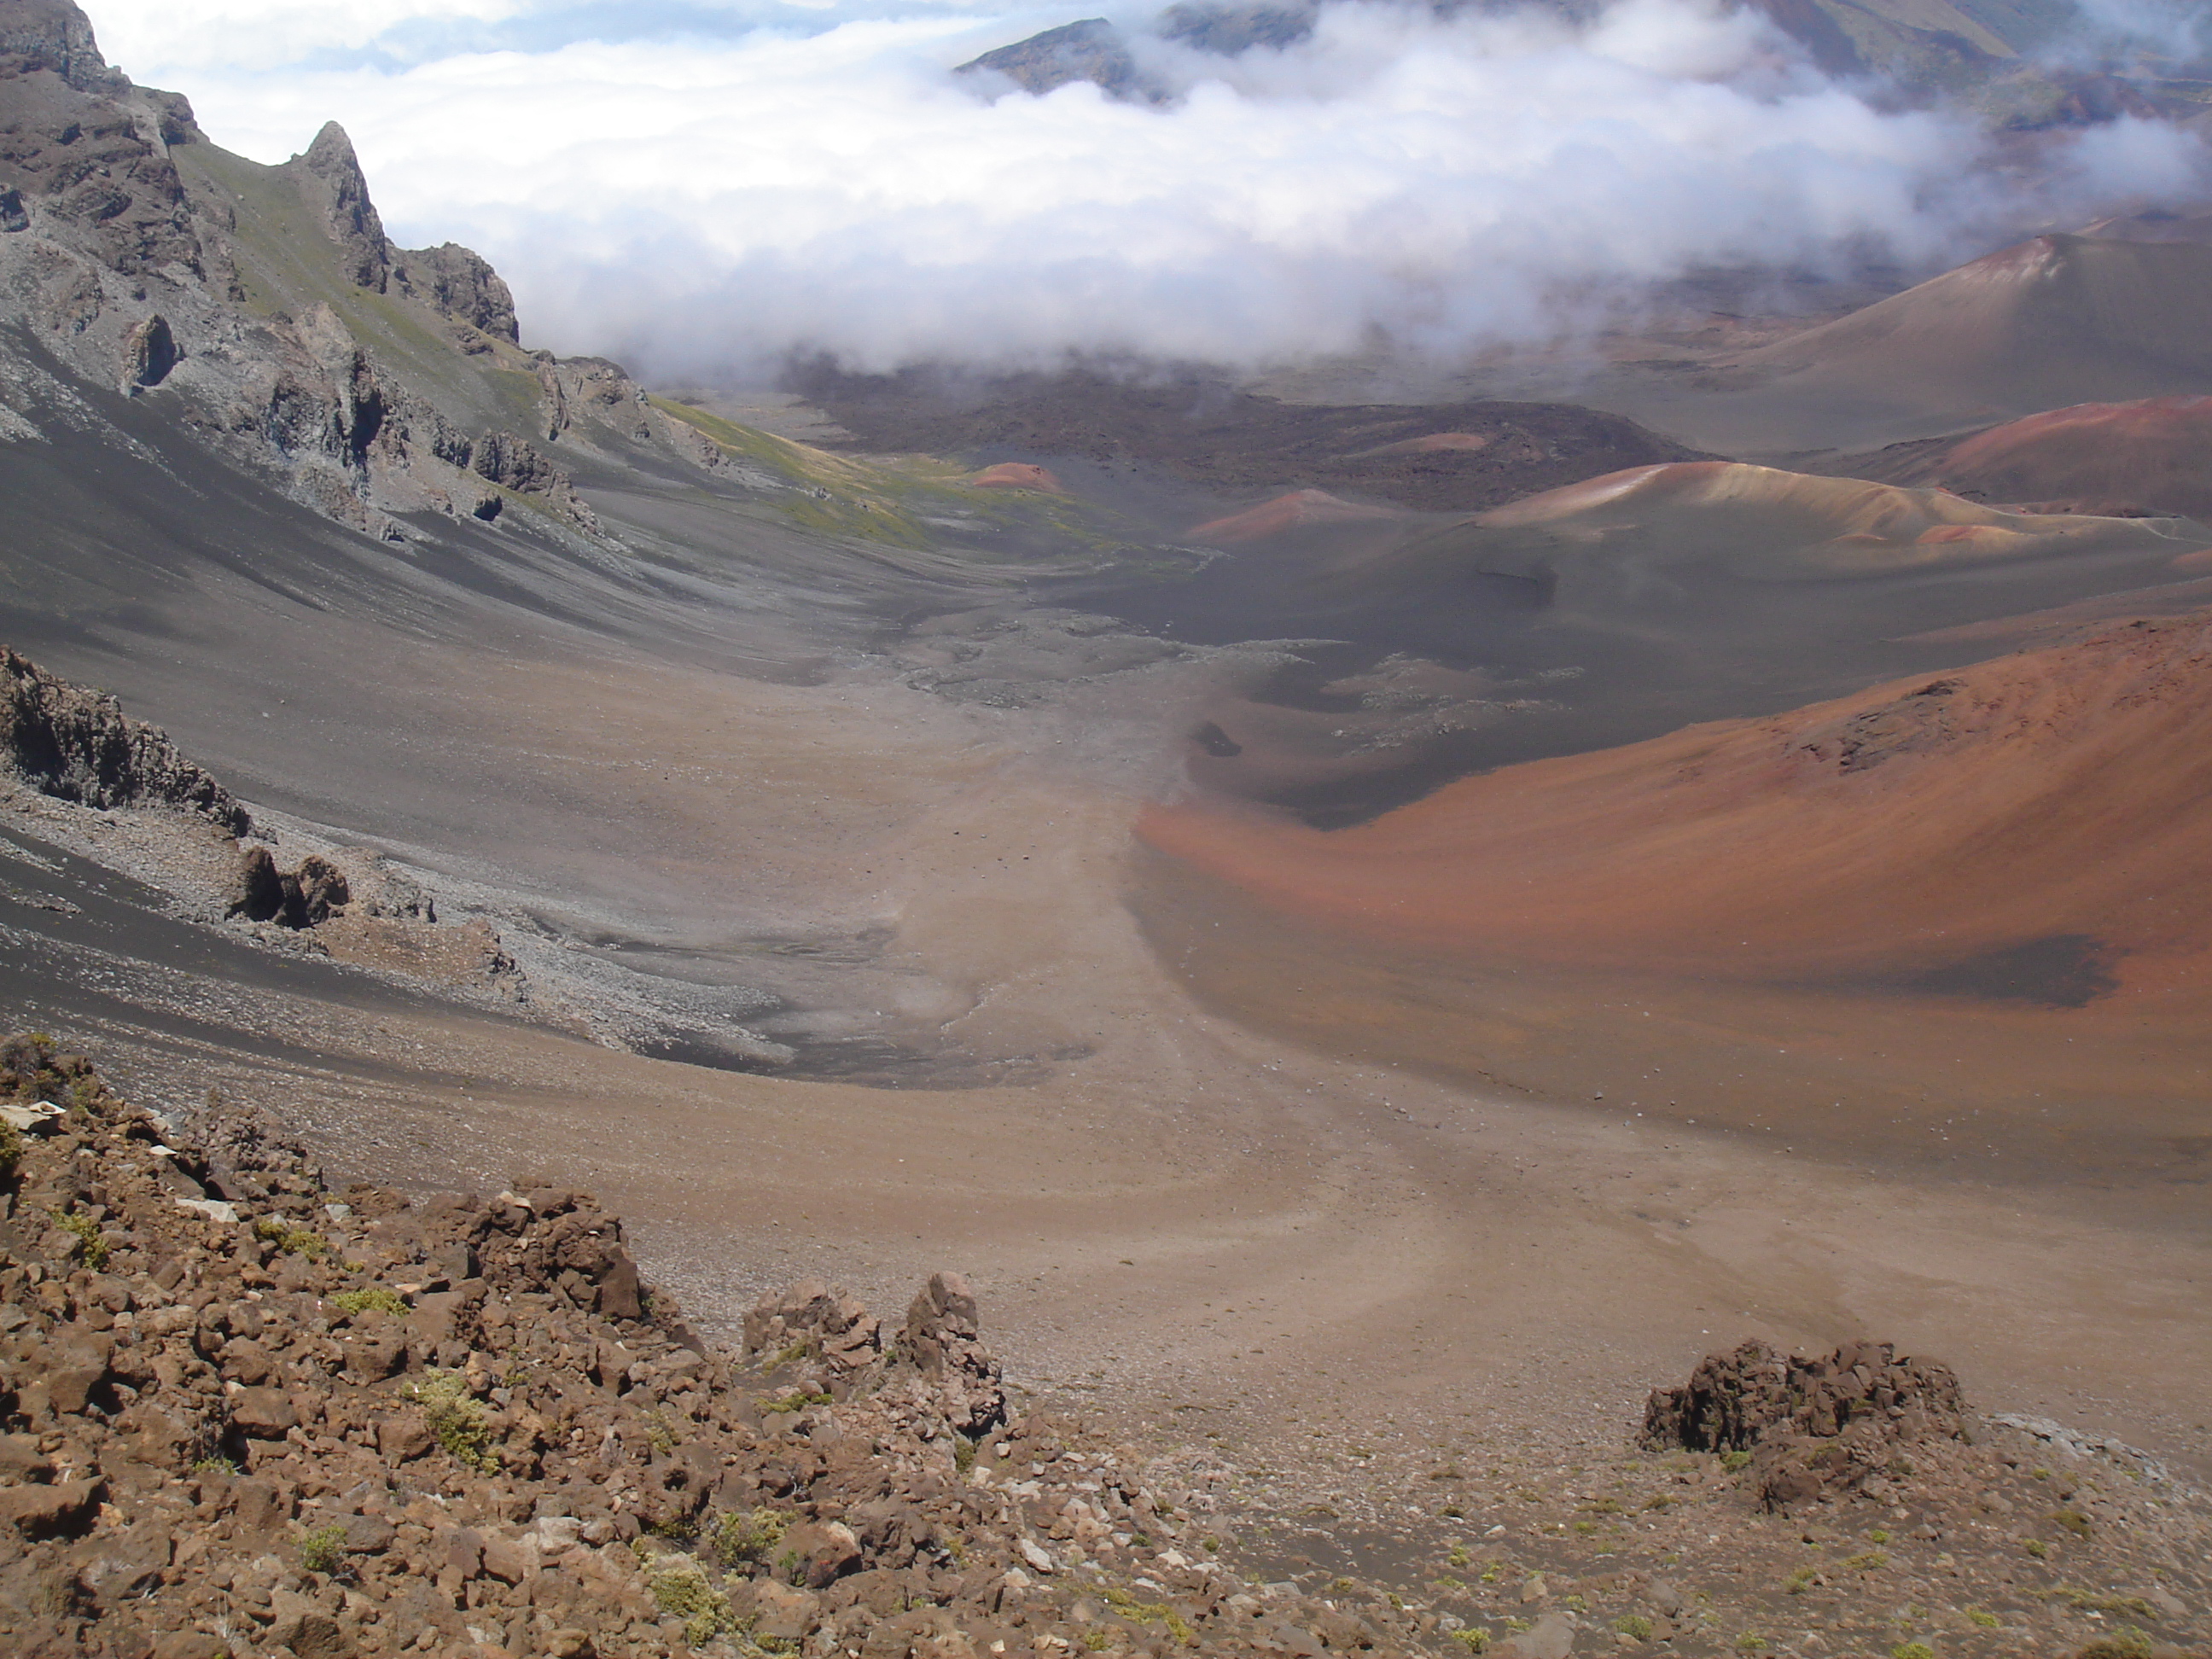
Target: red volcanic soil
(1438, 443)
(2151, 456)
(1297, 510)
(2056, 320)
(1964, 921)
(1018, 475)
(1891, 834)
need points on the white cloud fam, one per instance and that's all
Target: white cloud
(692, 203)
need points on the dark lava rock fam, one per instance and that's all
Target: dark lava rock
(1811, 1424)
(149, 352)
(312, 894)
(76, 744)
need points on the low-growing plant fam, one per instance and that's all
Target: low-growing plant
(2125, 1642)
(1097, 1641)
(2073, 1519)
(746, 1537)
(1871, 1561)
(322, 1549)
(1801, 1580)
(1912, 1650)
(293, 1240)
(1735, 1461)
(1151, 1612)
(456, 1418)
(1879, 1536)
(11, 1150)
(2083, 1600)
(91, 1247)
(963, 1452)
(1458, 1555)
(2036, 1547)
(1633, 1626)
(1472, 1637)
(1984, 1619)
(680, 1589)
(375, 1298)
(796, 1402)
(1753, 1642)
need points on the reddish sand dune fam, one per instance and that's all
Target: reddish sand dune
(1436, 443)
(2154, 455)
(1613, 531)
(2057, 320)
(1299, 510)
(1967, 920)
(1018, 475)
(1923, 823)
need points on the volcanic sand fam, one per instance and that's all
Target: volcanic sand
(1196, 1217)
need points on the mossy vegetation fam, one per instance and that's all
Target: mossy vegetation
(374, 1298)
(456, 1418)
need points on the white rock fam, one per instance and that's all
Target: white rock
(1032, 1553)
(37, 1118)
(214, 1209)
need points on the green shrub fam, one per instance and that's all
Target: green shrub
(2125, 1642)
(91, 1247)
(458, 1421)
(376, 1298)
(1460, 1556)
(680, 1589)
(1872, 1561)
(1985, 1620)
(11, 1150)
(1634, 1626)
(1912, 1650)
(297, 1241)
(746, 1538)
(2074, 1520)
(1474, 1637)
(1879, 1536)
(796, 1402)
(1735, 1461)
(322, 1549)
(963, 1452)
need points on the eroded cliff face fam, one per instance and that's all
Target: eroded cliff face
(269, 314)
(77, 744)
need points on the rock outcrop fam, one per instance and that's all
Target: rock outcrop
(1811, 1426)
(244, 1412)
(461, 283)
(312, 894)
(77, 744)
(149, 352)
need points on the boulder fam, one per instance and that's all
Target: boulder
(1812, 1425)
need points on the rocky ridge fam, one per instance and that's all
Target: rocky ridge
(370, 382)
(247, 1412)
(77, 744)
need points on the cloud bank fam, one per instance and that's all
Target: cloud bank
(700, 190)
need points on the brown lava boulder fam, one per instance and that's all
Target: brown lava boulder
(1813, 1425)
